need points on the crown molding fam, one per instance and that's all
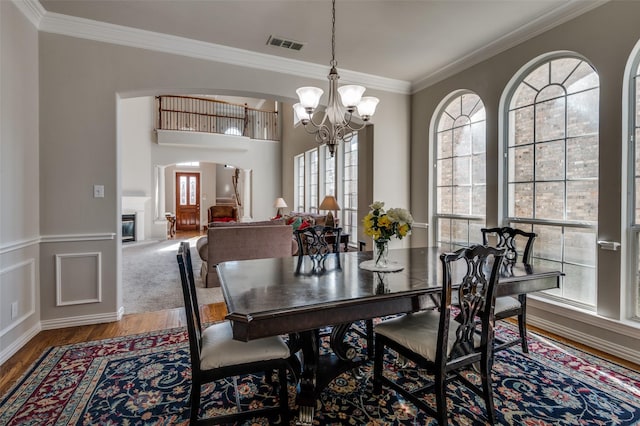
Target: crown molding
(132, 37)
(543, 23)
(32, 10)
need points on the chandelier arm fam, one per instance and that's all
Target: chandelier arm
(355, 127)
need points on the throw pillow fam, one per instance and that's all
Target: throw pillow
(304, 225)
(296, 223)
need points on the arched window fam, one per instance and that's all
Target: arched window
(552, 170)
(460, 170)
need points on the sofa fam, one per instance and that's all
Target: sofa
(242, 241)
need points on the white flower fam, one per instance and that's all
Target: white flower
(400, 215)
(377, 205)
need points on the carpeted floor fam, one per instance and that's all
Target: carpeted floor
(145, 380)
(151, 280)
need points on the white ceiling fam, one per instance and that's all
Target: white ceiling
(415, 41)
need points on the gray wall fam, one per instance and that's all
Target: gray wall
(605, 37)
(19, 181)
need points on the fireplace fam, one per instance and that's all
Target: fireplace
(128, 227)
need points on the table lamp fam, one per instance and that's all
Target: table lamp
(329, 203)
(279, 204)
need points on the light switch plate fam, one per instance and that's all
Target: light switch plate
(98, 191)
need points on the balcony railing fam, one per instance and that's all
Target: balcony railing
(212, 116)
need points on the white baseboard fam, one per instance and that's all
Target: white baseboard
(585, 339)
(81, 320)
(17, 344)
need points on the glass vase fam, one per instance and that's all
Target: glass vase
(381, 252)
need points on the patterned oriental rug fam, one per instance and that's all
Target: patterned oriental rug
(145, 380)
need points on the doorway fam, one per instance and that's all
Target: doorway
(187, 201)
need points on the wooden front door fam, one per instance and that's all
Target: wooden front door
(187, 201)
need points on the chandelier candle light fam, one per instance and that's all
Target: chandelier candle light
(381, 225)
(336, 124)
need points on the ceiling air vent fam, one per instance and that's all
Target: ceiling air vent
(284, 43)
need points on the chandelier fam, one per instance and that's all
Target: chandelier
(336, 124)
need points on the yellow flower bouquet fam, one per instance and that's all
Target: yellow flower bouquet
(381, 225)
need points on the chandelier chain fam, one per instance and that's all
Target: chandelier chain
(333, 35)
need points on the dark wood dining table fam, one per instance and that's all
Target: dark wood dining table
(281, 296)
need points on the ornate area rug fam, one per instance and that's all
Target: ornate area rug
(145, 380)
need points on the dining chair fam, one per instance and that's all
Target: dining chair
(445, 342)
(508, 306)
(215, 355)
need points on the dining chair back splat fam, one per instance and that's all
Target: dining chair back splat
(215, 355)
(508, 306)
(318, 240)
(443, 342)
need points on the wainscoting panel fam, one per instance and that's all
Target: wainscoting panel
(78, 268)
(17, 294)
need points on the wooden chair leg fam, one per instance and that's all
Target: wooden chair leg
(487, 388)
(195, 403)
(522, 323)
(284, 395)
(439, 388)
(377, 367)
(370, 339)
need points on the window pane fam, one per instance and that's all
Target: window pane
(582, 200)
(550, 121)
(580, 246)
(549, 200)
(521, 164)
(548, 243)
(549, 162)
(462, 200)
(444, 171)
(557, 266)
(192, 190)
(460, 231)
(475, 236)
(562, 68)
(479, 200)
(581, 118)
(539, 77)
(524, 95)
(582, 157)
(445, 144)
(478, 173)
(462, 171)
(445, 200)
(478, 137)
(521, 197)
(183, 190)
(521, 126)
(583, 78)
(444, 229)
(578, 284)
(462, 140)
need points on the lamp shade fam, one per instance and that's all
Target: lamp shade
(309, 97)
(351, 94)
(300, 114)
(367, 107)
(280, 203)
(329, 203)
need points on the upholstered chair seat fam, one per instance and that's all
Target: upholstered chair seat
(419, 333)
(219, 349)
